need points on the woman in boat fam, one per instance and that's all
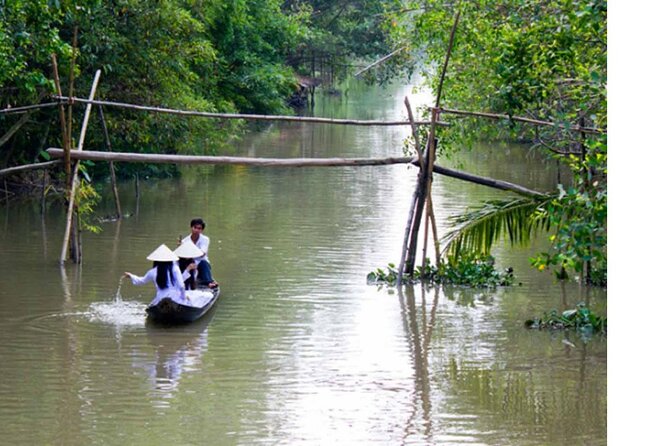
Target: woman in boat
(187, 252)
(165, 275)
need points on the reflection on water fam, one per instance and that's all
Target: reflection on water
(178, 350)
(300, 350)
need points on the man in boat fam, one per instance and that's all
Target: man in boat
(200, 240)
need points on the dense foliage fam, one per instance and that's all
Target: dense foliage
(340, 34)
(226, 56)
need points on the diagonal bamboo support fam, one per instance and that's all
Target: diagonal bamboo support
(75, 176)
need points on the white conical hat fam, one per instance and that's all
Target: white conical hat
(188, 250)
(162, 254)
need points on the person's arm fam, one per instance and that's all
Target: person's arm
(148, 277)
(190, 269)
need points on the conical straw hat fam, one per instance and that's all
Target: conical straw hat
(188, 250)
(162, 254)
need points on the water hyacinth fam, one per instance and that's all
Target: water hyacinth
(470, 270)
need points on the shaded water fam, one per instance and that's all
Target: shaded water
(299, 350)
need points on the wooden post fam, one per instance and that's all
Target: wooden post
(45, 174)
(112, 172)
(63, 122)
(422, 187)
(586, 184)
(430, 220)
(414, 199)
(75, 177)
(407, 234)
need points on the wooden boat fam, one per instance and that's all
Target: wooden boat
(169, 312)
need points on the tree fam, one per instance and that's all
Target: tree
(542, 59)
(339, 33)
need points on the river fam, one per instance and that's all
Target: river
(300, 349)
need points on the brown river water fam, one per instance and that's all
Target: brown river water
(300, 349)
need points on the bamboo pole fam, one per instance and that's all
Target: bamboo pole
(68, 167)
(490, 182)
(448, 58)
(424, 185)
(25, 108)
(586, 174)
(575, 128)
(27, 167)
(282, 118)
(414, 132)
(230, 160)
(420, 205)
(414, 199)
(407, 234)
(61, 113)
(112, 171)
(14, 128)
(42, 208)
(75, 177)
(383, 59)
(430, 221)
(317, 120)
(433, 151)
(290, 162)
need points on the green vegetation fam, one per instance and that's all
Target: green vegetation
(224, 56)
(540, 59)
(471, 270)
(579, 318)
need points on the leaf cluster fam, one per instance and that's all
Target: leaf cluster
(580, 318)
(477, 271)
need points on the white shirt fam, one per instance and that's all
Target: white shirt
(203, 244)
(175, 290)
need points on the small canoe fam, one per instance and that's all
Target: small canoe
(168, 311)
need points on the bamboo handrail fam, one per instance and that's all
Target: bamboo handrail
(575, 128)
(317, 120)
(249, 117)
(26, 167)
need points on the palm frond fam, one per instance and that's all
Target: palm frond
(477, 230)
